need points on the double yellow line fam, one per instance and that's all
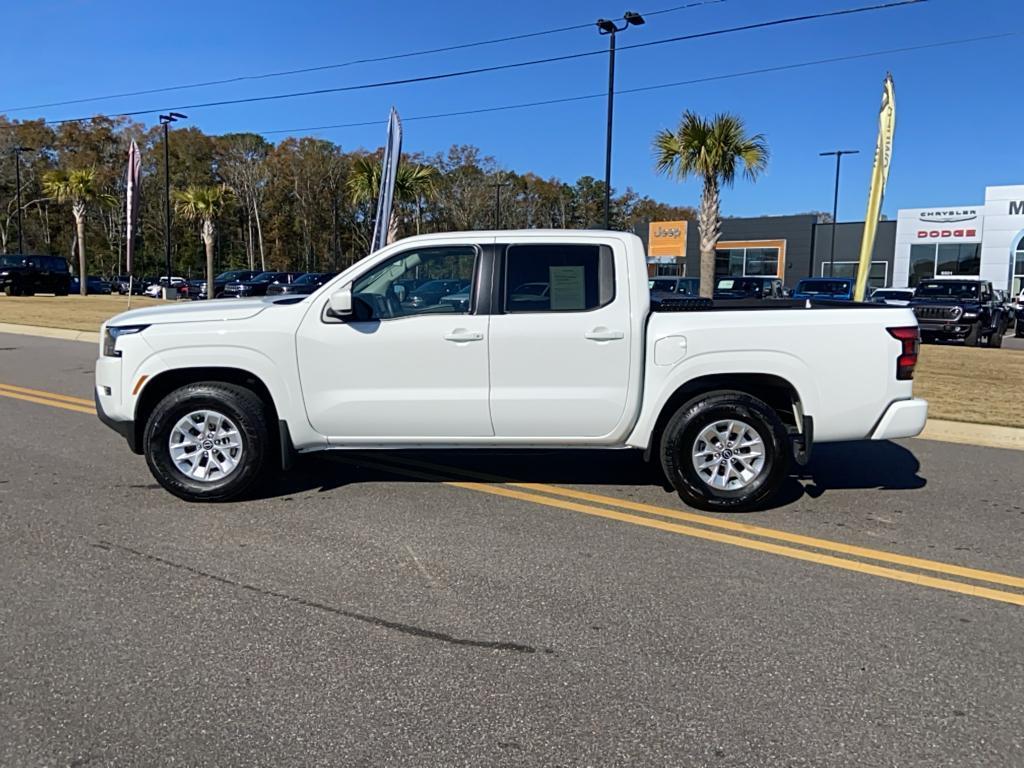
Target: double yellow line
(913, 570)
(68, 403)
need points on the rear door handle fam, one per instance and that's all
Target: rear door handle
(461, 334)
(603, 334)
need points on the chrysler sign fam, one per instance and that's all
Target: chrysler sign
(949, 215)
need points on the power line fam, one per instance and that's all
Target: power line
(502, 67)
(342, 65)
(678, 83)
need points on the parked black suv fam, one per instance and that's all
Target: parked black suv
(301, 286)
(25, 275)
(959, 309)
(221, 281)
(258, 285)
(748, 288)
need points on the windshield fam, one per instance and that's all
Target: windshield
(531, 289)
(11, 261)
(896, 295)
(266, 277)
(739, 284)
(822, 286)
(948, 289)
(236, 274)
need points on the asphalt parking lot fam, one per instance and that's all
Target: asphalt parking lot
(498, 608)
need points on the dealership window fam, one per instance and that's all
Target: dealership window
(878, 276)
(1018, 269)
(943, 259)
(747, 262)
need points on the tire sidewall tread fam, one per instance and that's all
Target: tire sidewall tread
(692, 417)
(239, 404)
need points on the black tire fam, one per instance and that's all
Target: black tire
(680, 438)
(973, 337)
(12, 290)
(240, 405)
(995, 339)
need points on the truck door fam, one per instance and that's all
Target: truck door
(409, 364)
(560, 342)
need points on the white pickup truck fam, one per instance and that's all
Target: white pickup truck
(498, 339)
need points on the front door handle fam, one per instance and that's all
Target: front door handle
(603, 334)
(461, 334)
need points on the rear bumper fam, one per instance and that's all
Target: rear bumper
(904, 418)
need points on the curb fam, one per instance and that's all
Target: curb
(962, 432)
(966, 433)
(67, 334)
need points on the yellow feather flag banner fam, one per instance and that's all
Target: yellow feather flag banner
(879, 175)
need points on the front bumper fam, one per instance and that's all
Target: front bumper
(904, 418)
(125, 429)
(955, 329)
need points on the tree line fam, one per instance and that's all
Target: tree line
(300, 204)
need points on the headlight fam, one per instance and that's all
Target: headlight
(112, 334)
(969, 315)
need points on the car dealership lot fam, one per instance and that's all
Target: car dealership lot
(412, 609)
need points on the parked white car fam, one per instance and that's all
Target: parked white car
(894, 297)
(156, 289)
(724, 398)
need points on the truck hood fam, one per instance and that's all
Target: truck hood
(194, 312)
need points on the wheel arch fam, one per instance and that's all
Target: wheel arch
(775, 391)
(162, 384)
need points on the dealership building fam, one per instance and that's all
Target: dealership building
(985, 240)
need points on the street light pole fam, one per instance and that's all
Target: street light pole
(497, 201)
(17, 184)
(835, 205)
(166, 120)
(607, 27)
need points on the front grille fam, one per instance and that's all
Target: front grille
(938, 313)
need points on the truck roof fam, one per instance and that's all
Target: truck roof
(517, 233)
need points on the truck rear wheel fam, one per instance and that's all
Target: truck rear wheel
(725, 451)
(207, 441)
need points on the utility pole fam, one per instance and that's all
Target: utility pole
(497, 201)
(166, 120)
(17, 183)
(608, 27)
(835, 206)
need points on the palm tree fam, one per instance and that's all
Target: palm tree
(80, 188)
(204, 204)
(711, 150)
(413, 184)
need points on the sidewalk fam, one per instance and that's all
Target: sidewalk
(962, 432)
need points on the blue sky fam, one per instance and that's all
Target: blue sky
(959, 110)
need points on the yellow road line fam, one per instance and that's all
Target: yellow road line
(722, 538)
(46, 395)
(80, 405)
(53, 403)
(752, 530)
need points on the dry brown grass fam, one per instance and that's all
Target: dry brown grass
(984, 386)
(79, 313)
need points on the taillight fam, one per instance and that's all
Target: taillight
(910, 337)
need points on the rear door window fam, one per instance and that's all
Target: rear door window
(558, 278)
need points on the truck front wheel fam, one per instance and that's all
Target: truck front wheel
(207, 441)
(725, 452)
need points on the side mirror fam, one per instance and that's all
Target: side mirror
(341, 301)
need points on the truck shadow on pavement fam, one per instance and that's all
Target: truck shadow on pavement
(859, 465)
